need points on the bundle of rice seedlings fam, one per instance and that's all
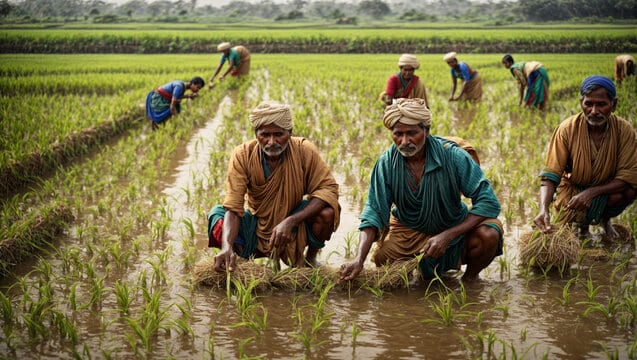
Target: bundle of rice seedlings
(557, 249)
(390, 276)
(246, 272)
(305, 277)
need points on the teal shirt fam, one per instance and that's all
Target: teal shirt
(436, 205)
(234, 57)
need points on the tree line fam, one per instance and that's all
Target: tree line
(500, 12)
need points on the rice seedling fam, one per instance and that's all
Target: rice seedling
(123, 296)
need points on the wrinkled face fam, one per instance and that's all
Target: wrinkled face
(407, 71)
(409, 139)
(273, 140)
(598, 107)
(507, 64)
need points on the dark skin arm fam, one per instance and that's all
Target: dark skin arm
(543, 219)
(366, 238)
(226, 258)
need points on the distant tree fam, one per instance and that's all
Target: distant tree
(543, 10)
(374, 8)
(5, 8)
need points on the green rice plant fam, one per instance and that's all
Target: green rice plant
(189, 227)
(123, 296)
(591, 289)
(355, 332)
(609, 310)
(98, 289)
(566, 295)
(444, 309)
(34, 317)
(66, 327)
(255, 319)
(244, 295)
(242, 344)
(351, 244)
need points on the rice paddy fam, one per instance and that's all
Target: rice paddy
(114, 273)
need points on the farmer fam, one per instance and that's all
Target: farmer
(414, 202)
(405, 84)
(291, 195)
(624, 67)
(164, 102)
(533, 76)
(471, 83)
(238, 58)
(591, 163)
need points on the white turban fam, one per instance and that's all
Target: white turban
(408, 112)
(223, 46)
(271, 113)
(449, 56)
(408, 59)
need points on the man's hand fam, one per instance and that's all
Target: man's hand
(581, 201)
(543, 222)
(281, 234)
(350, 271)
(226, 259)
(436, 246)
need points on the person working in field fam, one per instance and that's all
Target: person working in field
(164, 102)
(291, 194)
(405, 84)
(533, 76)
(238, 59)
(624, 67)
(591, 163)
(414, 202)
(471, 88)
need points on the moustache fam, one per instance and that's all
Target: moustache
(409, 147)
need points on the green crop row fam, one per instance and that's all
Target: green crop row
(308, 40)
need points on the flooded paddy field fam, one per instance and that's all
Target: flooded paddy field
(117, 280)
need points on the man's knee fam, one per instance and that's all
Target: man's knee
(623, 198)
(323, 223)
(483, 239)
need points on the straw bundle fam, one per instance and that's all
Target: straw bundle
(390, 276)
(245, 272)
(560, 248)
(385, 277)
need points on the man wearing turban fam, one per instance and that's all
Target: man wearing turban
(414, 203)
(591, 164)
(281, 197)
(471, 89)
(405, 84)
(531, 76)
(238, 58)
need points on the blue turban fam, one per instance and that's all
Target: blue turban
(596, 81)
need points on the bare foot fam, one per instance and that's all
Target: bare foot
(609, 231)
(584, 232)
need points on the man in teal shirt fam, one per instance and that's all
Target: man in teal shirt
(238, 58)
(415, 202)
